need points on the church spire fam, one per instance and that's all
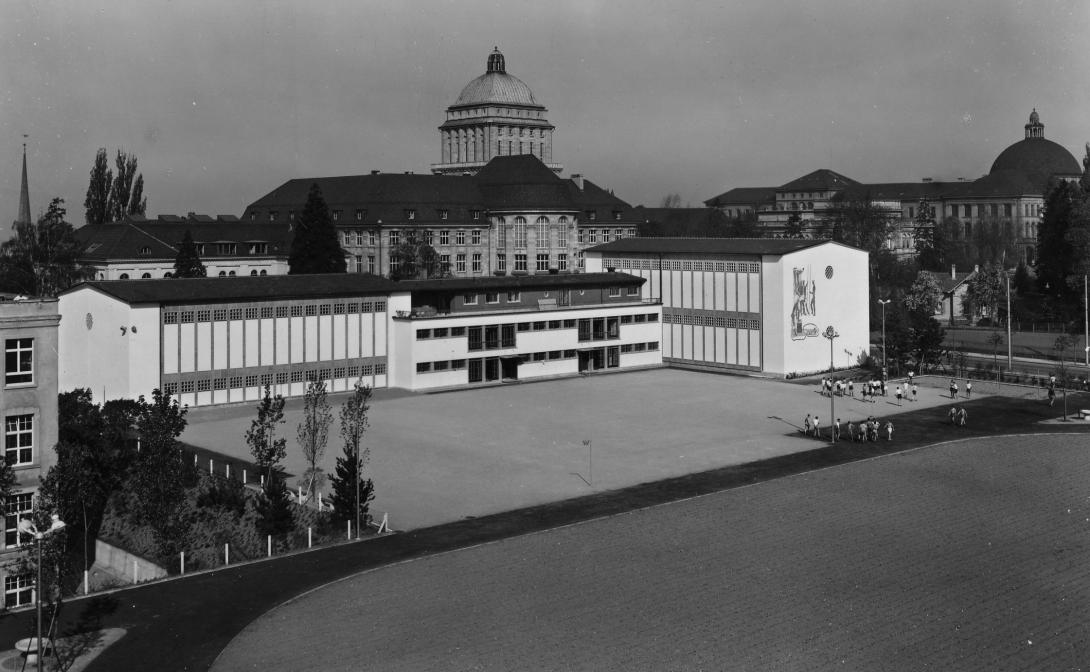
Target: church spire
(24, 195)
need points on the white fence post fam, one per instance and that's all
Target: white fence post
(228, 470)
(244, 477)
(226, 554)
(86, 582)
(211, 467)
(269, 544)
(310, 539)
(195, 460)
(350, 530)
(135, 572)
(182, 564)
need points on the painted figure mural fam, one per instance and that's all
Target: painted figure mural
(804, 305)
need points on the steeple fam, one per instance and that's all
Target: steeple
(24, 195)
(1035, 129)
(495, 61)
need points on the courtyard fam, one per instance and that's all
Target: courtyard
(436, 458)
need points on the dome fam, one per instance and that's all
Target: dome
(1037, 155)
(496, 86)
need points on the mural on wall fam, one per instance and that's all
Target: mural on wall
(804, 306)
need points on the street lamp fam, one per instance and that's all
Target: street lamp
(883, 303)
(27, 526)
(831, 334)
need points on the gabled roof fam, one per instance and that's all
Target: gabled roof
(161, 236)
(820, 180)
(743, 196)
(520, 182)
(948, 283)
(753, 246)
(208, 290)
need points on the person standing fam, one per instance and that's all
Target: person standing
(914, 390)
(953, 389)
(863, 392)
(836, 430)
(962, 415)
(953, 415)
(968, 389)
(851, 388)
(817, 427)
(851, 431)
(889, 430)
(1051, 395)
(910, 374)
(898, 395)
(806, 425)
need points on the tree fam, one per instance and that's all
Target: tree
(266, 448)
(926, 336)
(160, 474)
(985, 290)
(995, 339)
(744, 226)
(925, 294)
(123, 199)
(97, 203)
(1055, 256)
(351, 492)
(109, 197)
(43, 258)
(315, 248)
(1021, 282)
(313, 432)
(274, 506)
(856, 219)
(188, 262)
(417, 261)
(994, 242)
(670, 201)
(793, 228)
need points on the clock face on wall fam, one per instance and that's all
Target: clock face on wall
(89, 321)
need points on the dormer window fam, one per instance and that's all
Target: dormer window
(476, 214)
(592, 215)
(200, 249)
(336, 215)
(443, 214)
(616, 215)
(253, 216)
(259, 248)
(272, 215)
(410, 215)
(291, 215)
(145, 251)
(359, 215)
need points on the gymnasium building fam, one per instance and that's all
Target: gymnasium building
(750, 305)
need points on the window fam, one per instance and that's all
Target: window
(423, 367)
(476, 262)
(272, 215)
(457, 331)
(336, 215)
(501, 234)
(492, 336)
(562, 232)
(18, 361)
(520, 262)
(507, 336)
(501, 262)
(633, 291)
(123, 276)
(460, 263)
(443, 214)
(562, 262)
(444, 261)
(592, 236)
(492, 297)
(476, 214)
(18, 590)
(410, 215)
(359, 215)
(475, 338)
(520, 232)
(460, 237)
(968, 210)
(19, 439)
(371, 238)
(440, 332)
(395, 237)
(542, 232)
(514, 296)
(616, 215)
(476, 370)
(428, 237)
(259, 248)
(581, 236)
(592, 215)
(1007, 209)
(423, 334)
(543, 262)
(17, 506)
(444, 237)
(614, 292)
(371, 264)
(475, 237)
(613, 329)
(469, 299)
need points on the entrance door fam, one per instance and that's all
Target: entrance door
(510, 368)
(492, 369)
(585, 363)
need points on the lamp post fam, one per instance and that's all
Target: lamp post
(27, 526)
(831, 334)
(883, 303)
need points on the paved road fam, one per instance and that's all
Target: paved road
(184, 624)
(967, 556)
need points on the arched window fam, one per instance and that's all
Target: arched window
(520, 232)
(146, 276)
(253, 272)
(168, 274)
(543, 232)
(124, 276)
(231, 274)
(223, 274)
(263, 272)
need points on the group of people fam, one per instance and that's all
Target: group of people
(958, 416)
(868, 430)
(903, 390)
(954, 389)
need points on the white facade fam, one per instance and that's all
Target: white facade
(729, 305)
(144, 269)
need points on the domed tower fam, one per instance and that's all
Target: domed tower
(1036, 157)
(495, 115)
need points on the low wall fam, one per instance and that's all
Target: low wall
(120, 563)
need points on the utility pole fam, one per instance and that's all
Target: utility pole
(830, 333)
(883, 303)
(1010, 350)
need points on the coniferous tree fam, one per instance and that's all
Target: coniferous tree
(1055, 256)
(188, 263)
(274, 507)
(315, 248)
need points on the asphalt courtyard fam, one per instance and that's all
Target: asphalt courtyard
(969, 555)
(436, 458)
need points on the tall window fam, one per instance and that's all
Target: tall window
(18, 361)
(18, 590)
(501, 234)
(371, 238)
(444, 237)
(501, 262)
(520, 262)
(19, 506)
(543, 262)
(371, 264)
(476, 262)
(395, 237)
(395, 263)
(476, 238)
(460, 237)
(520, 232)
(19, 439)
(562, 262)
(543, 233)
(562, 232)
(460, 261)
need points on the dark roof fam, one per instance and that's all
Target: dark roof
(163, 235)
(1039, 157)
(709, 245)
(1000, 184)
(743, 196)
(904, 191)
(681, 218)
(949, 284)
(521, 282)
(522, 181)
(272, 287)
(819, 180)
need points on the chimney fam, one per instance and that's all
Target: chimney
(578, 179)
(953, 271)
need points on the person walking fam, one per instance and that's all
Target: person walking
(914, 390)
(817, 427)
(851, 388)
(910, 374)
(851, 431)
(962, 415)
(898, 395)
(1051, 395)
(953, 389)
(953, 415)
(836, 430)
(889, 430)
(968, 389)
(806, 425)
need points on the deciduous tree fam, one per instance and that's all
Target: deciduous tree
(43, 258)
(351, 491)
(159, 475)
(925, 294)
(268, 449)
(97, 202)
(417, 261)
(313, 432)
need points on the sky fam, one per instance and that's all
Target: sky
(224, 101)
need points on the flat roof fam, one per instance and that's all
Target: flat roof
(269, 287)
(521, 282)
(710, 245)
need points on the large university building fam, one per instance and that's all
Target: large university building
(212, 341)
(1010, 197)
(751, 305)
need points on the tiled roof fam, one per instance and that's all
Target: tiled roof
(1000, 184)
(819, 180)
(522, 181)
(903, 191)
(948, 283)
(272, 287)
(775, 246)
(162, 236)
(743, 196)
(521, 282)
